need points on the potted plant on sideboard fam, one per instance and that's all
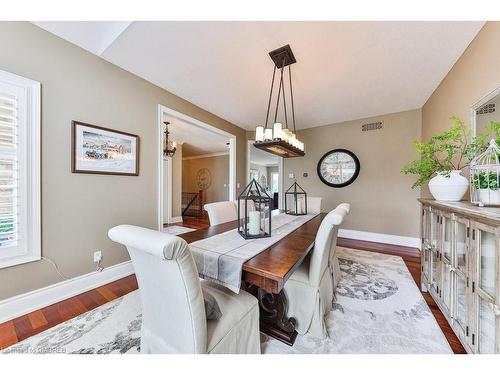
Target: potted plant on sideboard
(442, 159)
(486, 185)
(485, 176)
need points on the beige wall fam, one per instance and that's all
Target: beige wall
(219, 171)
(381, 198)
(78, 209)
(474, 75)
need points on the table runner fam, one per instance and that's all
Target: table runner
(220, 258)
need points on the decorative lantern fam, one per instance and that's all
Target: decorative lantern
(254, 212)
(485, 177)
(295, 200)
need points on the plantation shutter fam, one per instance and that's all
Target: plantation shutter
(9, 181)
(20, 223)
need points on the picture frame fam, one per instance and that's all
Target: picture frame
(99, 150)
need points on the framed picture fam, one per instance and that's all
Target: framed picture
(99, 150)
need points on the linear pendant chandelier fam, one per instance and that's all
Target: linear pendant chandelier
(278, 139)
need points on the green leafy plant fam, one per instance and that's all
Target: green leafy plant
(486, 180)
(448, 151)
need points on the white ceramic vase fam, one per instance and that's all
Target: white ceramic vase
(448, 188)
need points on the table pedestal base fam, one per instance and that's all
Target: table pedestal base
(273, 319)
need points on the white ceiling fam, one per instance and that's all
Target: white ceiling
(344, 70)
(94, 36)
(196, 140)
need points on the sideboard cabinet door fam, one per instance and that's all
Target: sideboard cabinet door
(485, 289)
(445, 255)
(462, 299)
(426, 247)
(446, 240)
(435, 266)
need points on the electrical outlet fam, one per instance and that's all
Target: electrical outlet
(291, 175)
(97, 256)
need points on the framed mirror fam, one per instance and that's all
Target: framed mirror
(484, 111)
(338, 168)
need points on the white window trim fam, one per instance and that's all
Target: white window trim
(33, 161)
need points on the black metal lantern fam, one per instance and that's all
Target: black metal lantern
(295, 200)
(254, 212)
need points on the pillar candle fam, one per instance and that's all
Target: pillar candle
(254, 223)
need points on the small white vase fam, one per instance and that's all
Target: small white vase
(448, 188)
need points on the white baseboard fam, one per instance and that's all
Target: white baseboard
(25, 303)
(380, 237)
(176, 219)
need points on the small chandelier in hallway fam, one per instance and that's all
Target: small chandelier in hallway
(280, 140)
(169, 147)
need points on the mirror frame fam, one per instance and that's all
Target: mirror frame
(485, 99)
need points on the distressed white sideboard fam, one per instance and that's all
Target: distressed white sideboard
(461, 269)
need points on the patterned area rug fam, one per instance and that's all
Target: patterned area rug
(379, 309)
(177, 229)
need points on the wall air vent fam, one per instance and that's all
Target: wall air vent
(488, 108)
(372, 126)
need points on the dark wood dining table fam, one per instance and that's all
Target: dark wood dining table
(265, 274)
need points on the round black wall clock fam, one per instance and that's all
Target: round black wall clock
(338, 168)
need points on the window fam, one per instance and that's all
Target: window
(20, 238)
(275, 177)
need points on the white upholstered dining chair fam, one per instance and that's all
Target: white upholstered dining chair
(314, 205)
(310, 289)
(172, 296)
(221, 212)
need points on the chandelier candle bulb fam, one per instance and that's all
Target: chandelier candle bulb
(277, 130)
(259, 133)
(287, 138)
(268, 134)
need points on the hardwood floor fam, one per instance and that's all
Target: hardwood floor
(192, 222)
(30, 324)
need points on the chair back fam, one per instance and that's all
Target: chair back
(173, 311)
(221, 212)
(314, 205)
(325, 243)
